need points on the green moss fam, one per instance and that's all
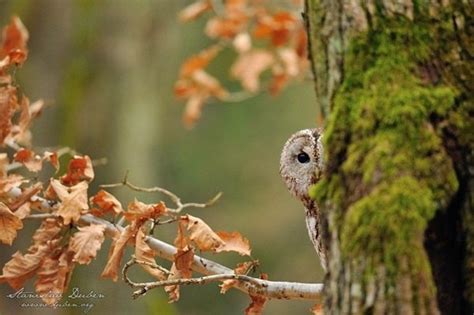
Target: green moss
(388, 172)
(399, 211)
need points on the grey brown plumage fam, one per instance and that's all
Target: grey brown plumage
(301, 166)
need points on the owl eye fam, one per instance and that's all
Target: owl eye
(303, 157)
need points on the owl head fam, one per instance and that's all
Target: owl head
(301, 161)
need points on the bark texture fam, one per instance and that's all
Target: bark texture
(394, 80)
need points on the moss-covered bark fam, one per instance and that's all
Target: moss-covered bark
(396, 79)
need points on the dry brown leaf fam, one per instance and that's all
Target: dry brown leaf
(116, 251)
(85, 243)
(194, 10)
(234, 242)
(79, 169)
(21, 132)
(8, 106)
(278, 82)
(9, 225)
(12, 181)
(66, 267)
(139, 211)
(23, 211)
(73, 200)
(143, 252)
(248, 67)
(207, 83)
(278, 27)
(199, 61)
(241, 269)
(317, 309)
(52, 157)
(3, 165)
(231, 22)
(256, 306)
(53, 276)
(181, 269)
(46, 283)
(48, 230)
(29, 159)
(22, 267)
(193, 109)
(201, 234)
(107, 203)
(14, 41)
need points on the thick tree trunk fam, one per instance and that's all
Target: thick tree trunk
(394, 80)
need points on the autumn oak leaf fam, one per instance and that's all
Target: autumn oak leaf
(248, 67)
(116, 251)
(201, 234)
(22, 267)
(53, 277)
(139, 211)
(181, 269)
(107, 203)
(85, 243)
(79, 169)
(14, 39)
(73, 200)
(9, 225)
(194, 10)
(29, 159)
(234, 242)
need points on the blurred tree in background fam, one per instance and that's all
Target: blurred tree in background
(106, 69)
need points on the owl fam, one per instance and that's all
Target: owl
(301, 166)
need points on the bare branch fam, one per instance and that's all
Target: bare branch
(176, 200)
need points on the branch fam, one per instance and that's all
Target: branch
(247, 284)
(179, 205)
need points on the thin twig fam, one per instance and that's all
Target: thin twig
(174, 198)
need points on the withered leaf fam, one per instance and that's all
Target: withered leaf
(79, 169)
(116, 251)
(234, 242)
(73, 200)
(29, 159)
(22, 267)
(194, 10)
(107, 203)
(248, 67)
(139, 211)
(53, 276)
(241, 269)
(199, 61)
(201, 234)
(12, 181)
(14, 41)
(85, 243)
(181, 269)
(9, 225)
(256, 305)
(52, 157)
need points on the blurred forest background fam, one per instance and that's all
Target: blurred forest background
(106, 69)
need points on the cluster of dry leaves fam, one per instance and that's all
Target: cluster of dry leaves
(62, 241)
(264, 40)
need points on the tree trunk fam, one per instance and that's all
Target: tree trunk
(394, 81)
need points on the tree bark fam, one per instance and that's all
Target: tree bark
(394, 80)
